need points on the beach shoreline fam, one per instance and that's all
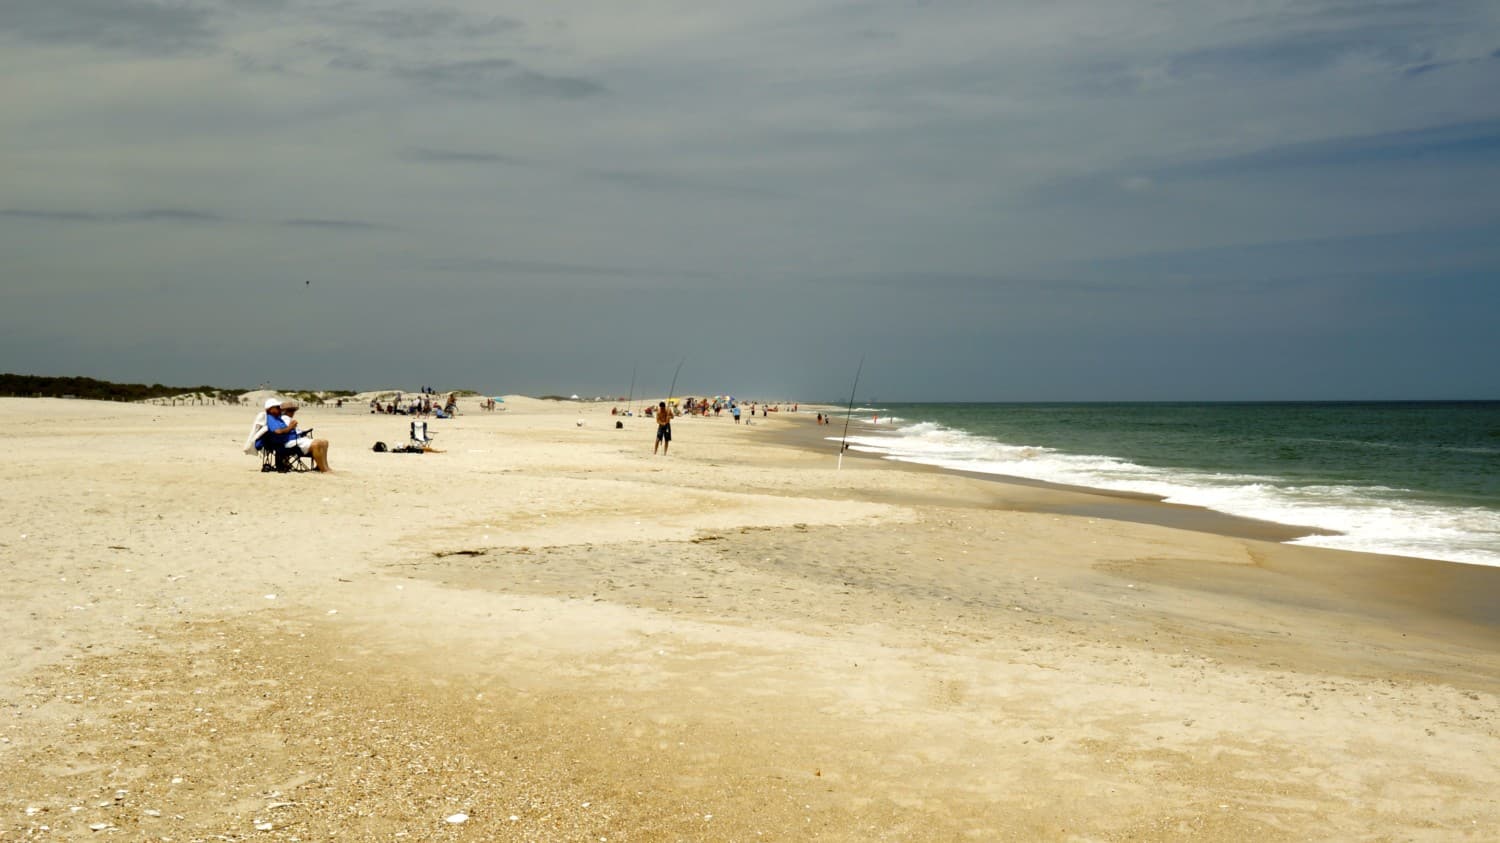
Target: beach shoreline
(1089, 501)
(1402, 478)
(557, 635)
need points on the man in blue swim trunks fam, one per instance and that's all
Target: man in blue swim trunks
(663, 429)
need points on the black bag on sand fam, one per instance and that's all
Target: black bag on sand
(380, 448)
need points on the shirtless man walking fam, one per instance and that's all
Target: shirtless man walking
(663, 429)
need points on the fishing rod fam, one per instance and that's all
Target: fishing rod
(850, 413)
(673, 388)
(631, 397)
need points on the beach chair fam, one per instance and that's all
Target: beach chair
(420, 437)
(284, 459)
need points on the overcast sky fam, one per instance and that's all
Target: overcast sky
(1000, 200)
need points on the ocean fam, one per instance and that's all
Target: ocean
(1408, 478)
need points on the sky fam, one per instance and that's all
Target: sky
(989, 201)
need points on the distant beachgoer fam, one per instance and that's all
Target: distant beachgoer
(734, 410)
(663, 429)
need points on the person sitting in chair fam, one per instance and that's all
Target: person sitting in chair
(282, 435)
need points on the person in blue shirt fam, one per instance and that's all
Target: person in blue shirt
(282, 435)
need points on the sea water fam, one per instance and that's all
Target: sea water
(1407, 478)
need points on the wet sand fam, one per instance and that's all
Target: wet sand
(561, 637)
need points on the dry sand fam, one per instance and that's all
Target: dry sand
(562, 637)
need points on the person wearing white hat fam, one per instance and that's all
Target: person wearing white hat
(282, 434)
(258, 427)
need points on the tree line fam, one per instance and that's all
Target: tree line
(28, 386)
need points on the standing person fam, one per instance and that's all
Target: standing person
(734, 410)
(663, 429)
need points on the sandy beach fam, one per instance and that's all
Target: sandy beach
(548, 633)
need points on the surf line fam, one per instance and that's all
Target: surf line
(850, 412)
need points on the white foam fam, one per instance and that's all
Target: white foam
(1372, 519)
(867, 417)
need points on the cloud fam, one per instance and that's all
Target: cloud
(1429, 67)
(505, 265)
(1259, 265)
(158, 215)
(448, 156)
(250, 63)
(1279, 54)
(462, 76)
(484, 78)
(334, 224)
(402, 24)
(492, 266)
(560, 87)
(644, 180)
(467, 78)
(668, 182)
(132, 25)
(473, 78)
(939, 280)
(174, 216)
(1451, 142)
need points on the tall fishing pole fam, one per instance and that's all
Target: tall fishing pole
(631, 397)
(850, 413)
(673, 388)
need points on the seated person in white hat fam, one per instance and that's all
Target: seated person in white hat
(282, 435)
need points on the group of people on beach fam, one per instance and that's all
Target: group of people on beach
(422, 405)
(276, 429)
(702, 407)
